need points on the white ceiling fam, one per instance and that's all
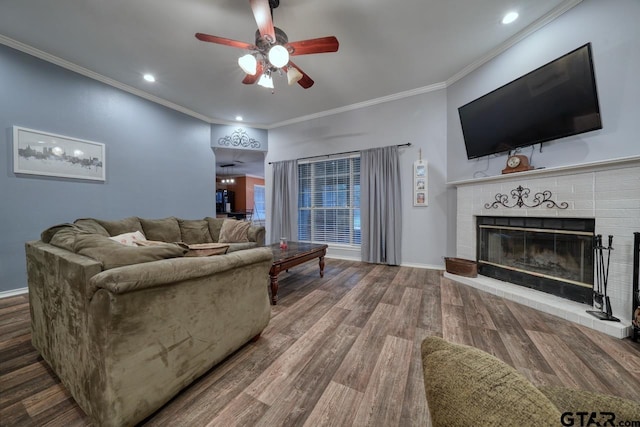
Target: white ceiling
(386, 47)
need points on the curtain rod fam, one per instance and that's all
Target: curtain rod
(408, 144)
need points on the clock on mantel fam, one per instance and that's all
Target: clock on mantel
(517, 163)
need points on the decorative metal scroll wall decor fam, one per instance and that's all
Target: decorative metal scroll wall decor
(239, 138)
(519, 194)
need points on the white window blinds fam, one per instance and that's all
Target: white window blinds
(329, 201)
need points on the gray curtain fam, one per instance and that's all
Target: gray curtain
(284, 201)
(380, 207)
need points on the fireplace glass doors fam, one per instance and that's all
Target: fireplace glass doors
(548, 254)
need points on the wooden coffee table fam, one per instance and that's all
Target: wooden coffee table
(295, 254)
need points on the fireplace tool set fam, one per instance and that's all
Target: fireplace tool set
(600, 299)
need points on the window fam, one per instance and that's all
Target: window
(258, 204)
(329, 201)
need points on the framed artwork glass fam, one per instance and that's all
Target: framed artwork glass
(420, 183)
(42, 153)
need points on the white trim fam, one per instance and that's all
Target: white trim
(346, 258)
(423, 266)
(532, 28)
(364, 104)
(14, 292)
(411, 265)
(600, 164)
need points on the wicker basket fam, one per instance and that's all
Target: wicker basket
(461, 267)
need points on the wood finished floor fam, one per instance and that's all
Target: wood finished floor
(340, 351)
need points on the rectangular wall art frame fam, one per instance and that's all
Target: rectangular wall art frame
(420, 183)
(48, 154)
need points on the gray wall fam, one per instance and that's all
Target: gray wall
(158, 162)
(613, 30)
(421, 120)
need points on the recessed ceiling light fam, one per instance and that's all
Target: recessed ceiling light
(149, 78)
(239, 118)
(510, 17)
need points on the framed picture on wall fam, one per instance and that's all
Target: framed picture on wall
(42, 153)
(420, 183)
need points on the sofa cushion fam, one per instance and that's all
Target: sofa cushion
(195, 231)
(90, 225)
(126, 225)
(234, 231)
(256, 234)
(234, 247)
(466, 386)
(165, 229)
(570, 400)
(215, 224)
(113, 254)
(64, 238)
(50, 232)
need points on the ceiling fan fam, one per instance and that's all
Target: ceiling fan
(272, 50)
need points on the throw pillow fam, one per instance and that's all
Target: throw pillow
(125, 225)
(195, 231)
(234, 231)
(50, 232)
(128, 239)
(164, 230)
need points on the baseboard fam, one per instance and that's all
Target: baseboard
(423, 266)
(413, 265)
(14, 292)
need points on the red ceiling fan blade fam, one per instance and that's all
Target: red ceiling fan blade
(262, 13)
(306, 81)
(251, 79)
(224, 41)
(319, 45)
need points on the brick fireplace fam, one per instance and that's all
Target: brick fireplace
(604, 194)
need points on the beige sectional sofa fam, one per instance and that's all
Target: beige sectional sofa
(125, 328)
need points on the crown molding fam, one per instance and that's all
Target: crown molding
(357, 106)
(99, 77)
(526, 32)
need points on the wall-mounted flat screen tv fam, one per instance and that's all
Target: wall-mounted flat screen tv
(556, 100)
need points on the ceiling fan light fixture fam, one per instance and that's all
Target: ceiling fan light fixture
(266, 81)
(293, 75)
(248, 63)
(278, 56)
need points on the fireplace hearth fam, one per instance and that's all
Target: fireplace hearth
(552, 255)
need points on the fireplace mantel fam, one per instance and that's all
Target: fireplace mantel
(560, 170)
(607, 191)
